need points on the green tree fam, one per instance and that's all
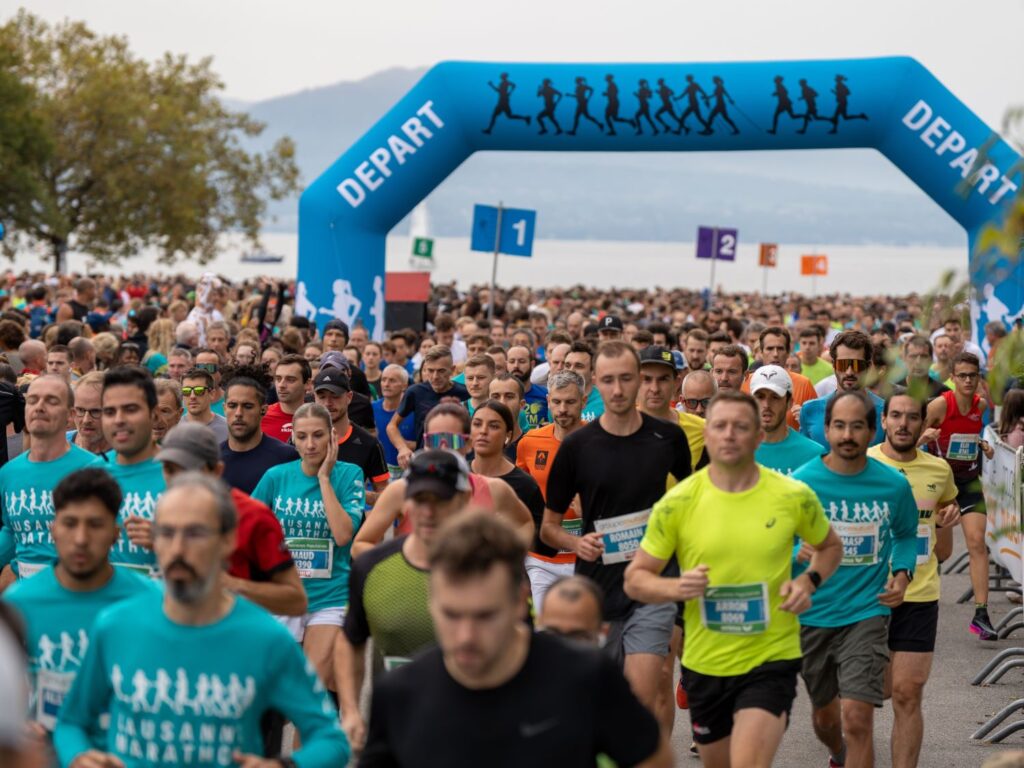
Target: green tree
(137, 153)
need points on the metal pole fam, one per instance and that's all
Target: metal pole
(764, 280)
(494, 266)
(714, 258)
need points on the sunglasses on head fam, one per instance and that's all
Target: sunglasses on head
(449, 441)
(198, 391)
(208, 367)
(844, 364)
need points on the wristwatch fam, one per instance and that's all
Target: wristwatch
(814, 577)
(905, 572)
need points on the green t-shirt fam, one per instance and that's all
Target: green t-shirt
(26, 493)
(57, 624)
(142, 485)
(747, 543)
(192, 695)
(821, 369)
(295, 498)
(789, 454)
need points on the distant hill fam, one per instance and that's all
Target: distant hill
(831, 197)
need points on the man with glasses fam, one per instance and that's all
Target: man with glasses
(27, 481)
(851, 357)
(197, 390)
(698, 389)
(88, 434)
(191, 670)
(209, 361)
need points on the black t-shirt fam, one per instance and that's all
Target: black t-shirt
(361, 448)
(420, 398)
(12, 411)
(615, 476)
(359, 384)
(526, 488)
(244, 469)
(510, 449)
(360, 411)
(567, 705)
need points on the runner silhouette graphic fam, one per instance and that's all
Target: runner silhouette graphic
(691, 93)
(582, 95)
(611, 110)
(720, 95)
(551, 98)
(809, 97)
(666, 95)
(643, 96)
(842, 93)
(783, 106)
(504, 90)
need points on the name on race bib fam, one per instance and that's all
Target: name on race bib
(314, 558)
(622, 535)
(860, 542)
(924, 544)
(963, 447)
(51, 688)
(735, 610)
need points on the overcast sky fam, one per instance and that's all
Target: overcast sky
(264, 48)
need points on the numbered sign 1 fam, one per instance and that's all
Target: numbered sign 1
(517, 227)
(717, 243)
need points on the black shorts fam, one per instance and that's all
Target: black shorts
(714, 700)
(969, 496)
(913, 626)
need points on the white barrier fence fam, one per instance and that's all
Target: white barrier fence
(1001, 483)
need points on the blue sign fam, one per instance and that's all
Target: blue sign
(716, 243)
(2, 230)
(517, 227)
(891, 104)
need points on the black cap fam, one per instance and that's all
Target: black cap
(337, 325)
(659, 355)
(440, 472)
(610, 323)
(332, 380)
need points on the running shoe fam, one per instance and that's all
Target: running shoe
(682, 701)
(981, 625)
(693, 749)
(833, 764)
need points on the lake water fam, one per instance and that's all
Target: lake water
(855, 269)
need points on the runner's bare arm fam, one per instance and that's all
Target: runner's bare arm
(383, 515)
(508, 505)
(349, 672)
(644, 582)
(935, 416)
(554, 535)
(283, 595)
(826, 558)
(395, 436)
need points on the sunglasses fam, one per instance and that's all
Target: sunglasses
(693, 402)
(450, 441)
(208, 367)
(197, 391)
(844, 364)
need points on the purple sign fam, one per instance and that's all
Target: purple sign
(717, 243)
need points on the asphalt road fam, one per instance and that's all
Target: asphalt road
(953, 708)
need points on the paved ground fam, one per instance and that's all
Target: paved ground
(953, 708)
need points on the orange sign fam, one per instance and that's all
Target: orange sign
(769, 255)
(814, 264)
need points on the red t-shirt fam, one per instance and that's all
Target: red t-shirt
(277, 423)
(261, 551)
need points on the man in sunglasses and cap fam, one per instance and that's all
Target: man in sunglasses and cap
(388, 584)
(851, 353)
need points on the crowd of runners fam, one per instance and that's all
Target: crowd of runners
(540, 528)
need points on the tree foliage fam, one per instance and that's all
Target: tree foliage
(122, 153)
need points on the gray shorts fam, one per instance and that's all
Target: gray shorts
(648, 629)
(846, 661)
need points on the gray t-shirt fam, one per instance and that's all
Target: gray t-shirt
(219, 425)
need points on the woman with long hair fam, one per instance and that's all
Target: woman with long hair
(160, 338)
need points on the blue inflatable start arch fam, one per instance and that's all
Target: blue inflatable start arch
(891, 104)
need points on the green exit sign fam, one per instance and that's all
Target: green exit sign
(423, 247)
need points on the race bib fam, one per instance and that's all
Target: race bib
(314, 558)
(621, 535)
(924, 544)
(963, 447)
(394, 662)
(735, 610)
(573, 527)
(142, 570)
(860, 542)
(51, 688)
(26, 570)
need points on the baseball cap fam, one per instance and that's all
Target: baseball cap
(437, 471)
(773, 377)
(337, 325)
(610, 323)
(660, 355)
(335, 360)
(332, 380)
(190, 446)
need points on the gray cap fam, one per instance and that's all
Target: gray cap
(190, 446)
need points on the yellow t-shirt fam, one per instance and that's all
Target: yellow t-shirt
(932, 482)
(746, 540)
(693, 428)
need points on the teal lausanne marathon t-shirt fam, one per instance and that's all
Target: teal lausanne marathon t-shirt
(192, 695)
(789, 454)
(26, 493)
(142, 484)
(875, 515)
(57, 622)
(295, 498)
